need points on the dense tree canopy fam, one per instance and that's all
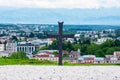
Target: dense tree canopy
(14, 38)
(87, 47)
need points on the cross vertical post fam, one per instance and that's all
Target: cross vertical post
(60, 36)
(60, 42)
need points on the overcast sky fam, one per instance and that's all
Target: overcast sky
(61, 3)
(69, 11)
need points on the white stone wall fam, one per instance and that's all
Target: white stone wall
(59, 72)
(2, 47)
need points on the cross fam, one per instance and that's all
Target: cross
(60, 36)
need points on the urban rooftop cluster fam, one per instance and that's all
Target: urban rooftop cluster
(32, 40)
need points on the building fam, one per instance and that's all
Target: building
(108, 57)
(2, 47)
(117, 54)
(87, 59)
(73, 57)
(4, 53)
(11, 47)
(46, 56)
(102, 40)
(23, 46)
(74, 54)
(99, 60)
(26, 47)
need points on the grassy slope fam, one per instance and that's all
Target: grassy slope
(25, 62)
(45, 62)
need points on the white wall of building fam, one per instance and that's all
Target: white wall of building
(2, 47)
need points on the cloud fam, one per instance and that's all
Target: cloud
(61, 3)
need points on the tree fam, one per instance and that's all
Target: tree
(108, 43)
(54, 45)
(14, 38)
(83, 48)
(55, 53)
(31, 35)
(86, 41)
(75, 41)
(21, 35)
(65, 55)
(92, 48)
(117, 48)
(79, 41)
(99, 53)
(18, 55)
(69, 46)
(117, 42)
(76, 47)
(117, 33)
(110, 51)
(44, 48)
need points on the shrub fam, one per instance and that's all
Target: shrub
(18, 55)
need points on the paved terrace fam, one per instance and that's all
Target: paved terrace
(59, 72)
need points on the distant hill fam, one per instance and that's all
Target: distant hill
(70, 16)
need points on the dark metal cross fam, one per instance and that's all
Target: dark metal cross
(60, 36)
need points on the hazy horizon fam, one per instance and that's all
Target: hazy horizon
(75, 12)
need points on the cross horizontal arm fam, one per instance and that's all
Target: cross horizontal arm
(63, 36)
(68, 36)
(52, 36)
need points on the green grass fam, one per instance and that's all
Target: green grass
(77, 64)
(91, 64)
(4, 61)
(25, 62)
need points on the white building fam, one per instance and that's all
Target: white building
(4, 53)
(25, 47)
(77, 35)
(46, 56)
(11, 47)
(28, 48)
(102, 40)
(2, 47)
(117, 54)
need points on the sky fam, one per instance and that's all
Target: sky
(69, 11)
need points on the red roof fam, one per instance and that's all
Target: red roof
(117, 53)
(48, 53)
(109, 56)
(42, 55)
(74, 53)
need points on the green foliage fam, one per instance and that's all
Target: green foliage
(108, 43)
(86, 47)
(91, 49)
(14, 38)
(66, 63)
(83, 48)
(106, 48)
(117, 33)
(76, 47)
(44, 48)
(6, 61)
(18, 55)
(31, 35)
(68, 46)
(65, 55)
(117, 42)
(110, 50)
(86, 41)
(54, 45)
(99, 53)
(55, 53)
